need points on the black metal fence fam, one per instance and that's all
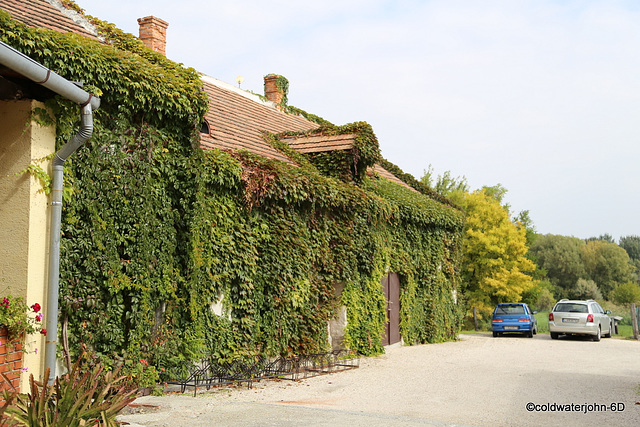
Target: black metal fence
(209, 374)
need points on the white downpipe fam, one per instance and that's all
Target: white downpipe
(85, 132)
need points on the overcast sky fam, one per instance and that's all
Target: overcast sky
(540, 96)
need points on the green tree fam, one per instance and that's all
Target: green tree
(607, 264)
(631, 244)
(523, 219)
(446, 184)
(626, 293)
(560, 257)
(566, 260)
(605, 237)
(494, 266)
(497, 192)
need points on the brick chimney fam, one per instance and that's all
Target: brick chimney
(153, 33)
(272, 92)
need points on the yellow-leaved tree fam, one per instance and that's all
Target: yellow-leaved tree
(495, 268)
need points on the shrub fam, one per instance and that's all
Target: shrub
(546, 300)
(139, 374)
(80, 398)
(585, 289)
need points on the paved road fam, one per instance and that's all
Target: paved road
(476, 381)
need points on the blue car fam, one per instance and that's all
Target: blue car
(514, 317)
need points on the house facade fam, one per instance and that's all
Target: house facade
(287, 231)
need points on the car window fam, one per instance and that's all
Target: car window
(564, 307)
(510, 309)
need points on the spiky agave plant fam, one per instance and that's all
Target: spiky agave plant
(93, 397)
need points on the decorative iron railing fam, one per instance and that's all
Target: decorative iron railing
(208, 374)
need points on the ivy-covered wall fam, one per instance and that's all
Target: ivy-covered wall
(155, 230)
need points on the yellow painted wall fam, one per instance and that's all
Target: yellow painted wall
(24, 216)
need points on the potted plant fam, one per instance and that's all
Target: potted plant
(19, 318)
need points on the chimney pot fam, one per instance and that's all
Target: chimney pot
(153, 33)
(272, 92)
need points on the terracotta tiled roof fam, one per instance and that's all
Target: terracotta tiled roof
(237, 119)
(319, 143)
(48, 14)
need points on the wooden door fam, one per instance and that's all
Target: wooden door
(391, 288)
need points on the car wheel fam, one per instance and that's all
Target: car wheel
(495, 334)
(598, 335)
(535, 330)
(610, 331)
(554, 335)
(529, 333)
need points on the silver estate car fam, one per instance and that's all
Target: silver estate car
(576, 317)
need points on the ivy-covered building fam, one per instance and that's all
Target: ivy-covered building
(201, 220)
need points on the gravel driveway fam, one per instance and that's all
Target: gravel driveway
(476, 381)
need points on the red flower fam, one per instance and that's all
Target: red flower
(144, 362)
(36, 307)
(43, 332)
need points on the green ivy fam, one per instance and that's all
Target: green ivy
(311, 117)
(417, 185)
(35, 169)
(155, 230)
(346, 165)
